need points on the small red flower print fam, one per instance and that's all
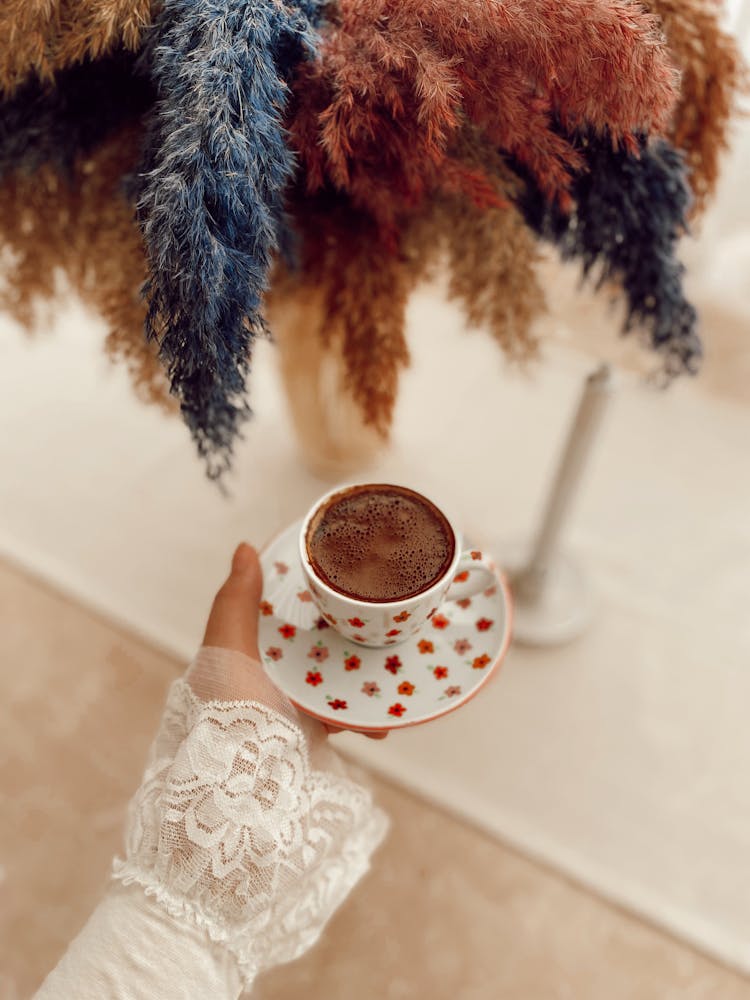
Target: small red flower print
(359, 638)
(281, 568)
(314, 678)
(266, 608)
(480, 662)
(476, 555)
(425, 646)
(394, 631)
(397, 709)
(356, 622)
(393, 663)
(305, 596)
(318, 653)
(321, 623)
(403, 617)
(287, 631)
(461, 577)
(484, 623)
(331, 619)
(274, 653)
(440, 673)
(490, 591)
(462, 646)
(405, 688)
(465, 602)
(440, 621)
(352, 663)
(370, 688)
(432, 613)
(453, 690)
(337, 703)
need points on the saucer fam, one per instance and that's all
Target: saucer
(355, 687)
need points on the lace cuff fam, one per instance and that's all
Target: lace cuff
(235, 831)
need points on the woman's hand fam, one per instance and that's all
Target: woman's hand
(233, 625)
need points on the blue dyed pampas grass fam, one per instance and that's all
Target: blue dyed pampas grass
(210, 195)
(629, 212)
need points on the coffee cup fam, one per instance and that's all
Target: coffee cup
(378, 622)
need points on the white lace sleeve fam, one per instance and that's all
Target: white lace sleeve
(234, 831)
(247, 827)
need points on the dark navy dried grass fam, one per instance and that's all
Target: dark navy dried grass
(630, 211)
(57, 122)
(211, 195)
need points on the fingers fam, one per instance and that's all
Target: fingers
(233, 625)
(233, 621)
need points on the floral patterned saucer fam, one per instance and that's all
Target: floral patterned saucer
(354, 687)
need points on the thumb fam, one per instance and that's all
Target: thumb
(233, 620)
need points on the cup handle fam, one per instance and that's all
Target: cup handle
(471, 576)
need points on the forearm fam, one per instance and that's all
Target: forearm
(131, 949)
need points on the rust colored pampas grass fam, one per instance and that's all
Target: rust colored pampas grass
(377, 112)
(489, 253)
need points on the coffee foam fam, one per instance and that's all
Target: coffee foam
(379, 543)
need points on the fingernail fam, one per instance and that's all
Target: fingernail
(243, 558)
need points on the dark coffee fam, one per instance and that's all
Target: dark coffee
(379, 543)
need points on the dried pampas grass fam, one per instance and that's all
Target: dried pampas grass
(713, 75)
(630, 211)
(374, 117)
(34, 220)
(56, 124)
(210, 196)
(81, 227)
(108, 264)
(41, 37)
(365, 290)
(490, 254)
(157, 170)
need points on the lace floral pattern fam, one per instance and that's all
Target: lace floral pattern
(234, 830)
